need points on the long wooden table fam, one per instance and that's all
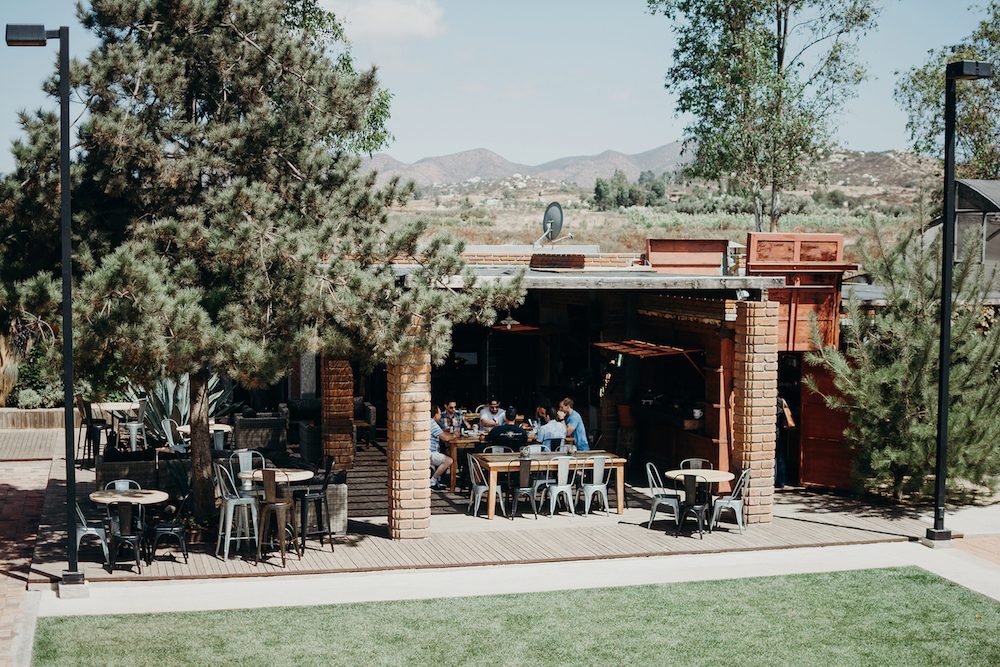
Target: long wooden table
(494, 464)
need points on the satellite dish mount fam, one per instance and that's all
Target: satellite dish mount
(552, 224)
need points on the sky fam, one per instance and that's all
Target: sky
(531, 80)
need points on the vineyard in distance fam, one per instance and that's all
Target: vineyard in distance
(895, 187)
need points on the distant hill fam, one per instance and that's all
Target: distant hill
(582, 170)
(843, 168)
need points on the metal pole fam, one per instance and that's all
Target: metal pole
(72, 575)
(938, 532)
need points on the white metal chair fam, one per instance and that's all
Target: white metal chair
(175, 441)
(497, 449)
(600, 474)
(95, 528)
(697, 464)
(480, 486)
(733, 501)
(566, 467)
(661, 495)
(527, 486)
(232, 500)
(133, 426)
(247, 459)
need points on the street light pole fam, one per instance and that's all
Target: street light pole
(37, 35)
(964, 70)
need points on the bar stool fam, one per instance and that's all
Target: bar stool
(283, 509)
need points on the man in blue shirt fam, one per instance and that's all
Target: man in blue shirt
(574, 425)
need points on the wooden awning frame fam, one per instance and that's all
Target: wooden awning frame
(644, 350)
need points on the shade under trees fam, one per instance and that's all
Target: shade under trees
(221, 222)
(920, 93)
(762, 80)
(887, 378)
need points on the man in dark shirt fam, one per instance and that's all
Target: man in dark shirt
(508, 434)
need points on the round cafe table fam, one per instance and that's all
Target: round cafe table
(219, 432)
(125, 498)
(710, 475)
(282, 475)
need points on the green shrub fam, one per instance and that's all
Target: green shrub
(29, 399)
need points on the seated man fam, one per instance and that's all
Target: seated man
(574, 424)
(451, 421)
(553, 432)
(509, 434)
(439, 459)
(491, 416)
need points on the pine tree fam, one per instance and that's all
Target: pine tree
(887, 379)
(224, 224)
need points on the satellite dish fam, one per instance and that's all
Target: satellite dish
(552, 221)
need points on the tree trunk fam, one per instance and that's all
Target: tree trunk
(758, 214)
(775, 205)
(201, 453)
(8, 371)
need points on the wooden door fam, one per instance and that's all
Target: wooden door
(824, 459)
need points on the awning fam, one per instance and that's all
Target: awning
(644, 350)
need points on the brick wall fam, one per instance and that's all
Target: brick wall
(408, 446)
(337, 382)
(755, 392)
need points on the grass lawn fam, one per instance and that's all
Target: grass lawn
(903, 616)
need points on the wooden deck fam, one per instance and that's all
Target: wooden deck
(457, 539)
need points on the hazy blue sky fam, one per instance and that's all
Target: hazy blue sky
(532, 80)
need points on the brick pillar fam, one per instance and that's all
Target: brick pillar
(337, 383)
(408, 446)
(755, 392)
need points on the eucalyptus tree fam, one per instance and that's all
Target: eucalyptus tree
(762, 80)
(223, 221)
(920, 92)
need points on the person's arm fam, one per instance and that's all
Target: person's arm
(447, 436)
(788, 414)
(569, 427)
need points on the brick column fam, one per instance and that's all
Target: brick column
(408, 446)
(337, 383)
(755, 392)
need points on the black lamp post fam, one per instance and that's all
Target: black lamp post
(37, 35)
(964, 70)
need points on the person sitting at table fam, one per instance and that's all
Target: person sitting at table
(574, 424)
(439, 459)
(491, 416)
(553, 432)
(509, 434)
(451, 421)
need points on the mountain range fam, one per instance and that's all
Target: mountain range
(583, 170)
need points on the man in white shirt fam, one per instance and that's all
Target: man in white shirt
(491, 416)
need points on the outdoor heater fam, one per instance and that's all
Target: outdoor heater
(964, 70)
(37, 35)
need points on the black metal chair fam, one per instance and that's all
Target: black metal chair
(321, 509)
(173, 528)
(696, 503)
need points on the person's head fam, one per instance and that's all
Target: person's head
(551, 414)
(450, 407)
(511, 414)
(566, 405)
(435, 412)
(494, 406)
(539, 412)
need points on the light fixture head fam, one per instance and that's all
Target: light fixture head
(509, 321)
(966, 70)
(25, 35)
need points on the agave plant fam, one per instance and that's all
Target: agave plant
(172, 398)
